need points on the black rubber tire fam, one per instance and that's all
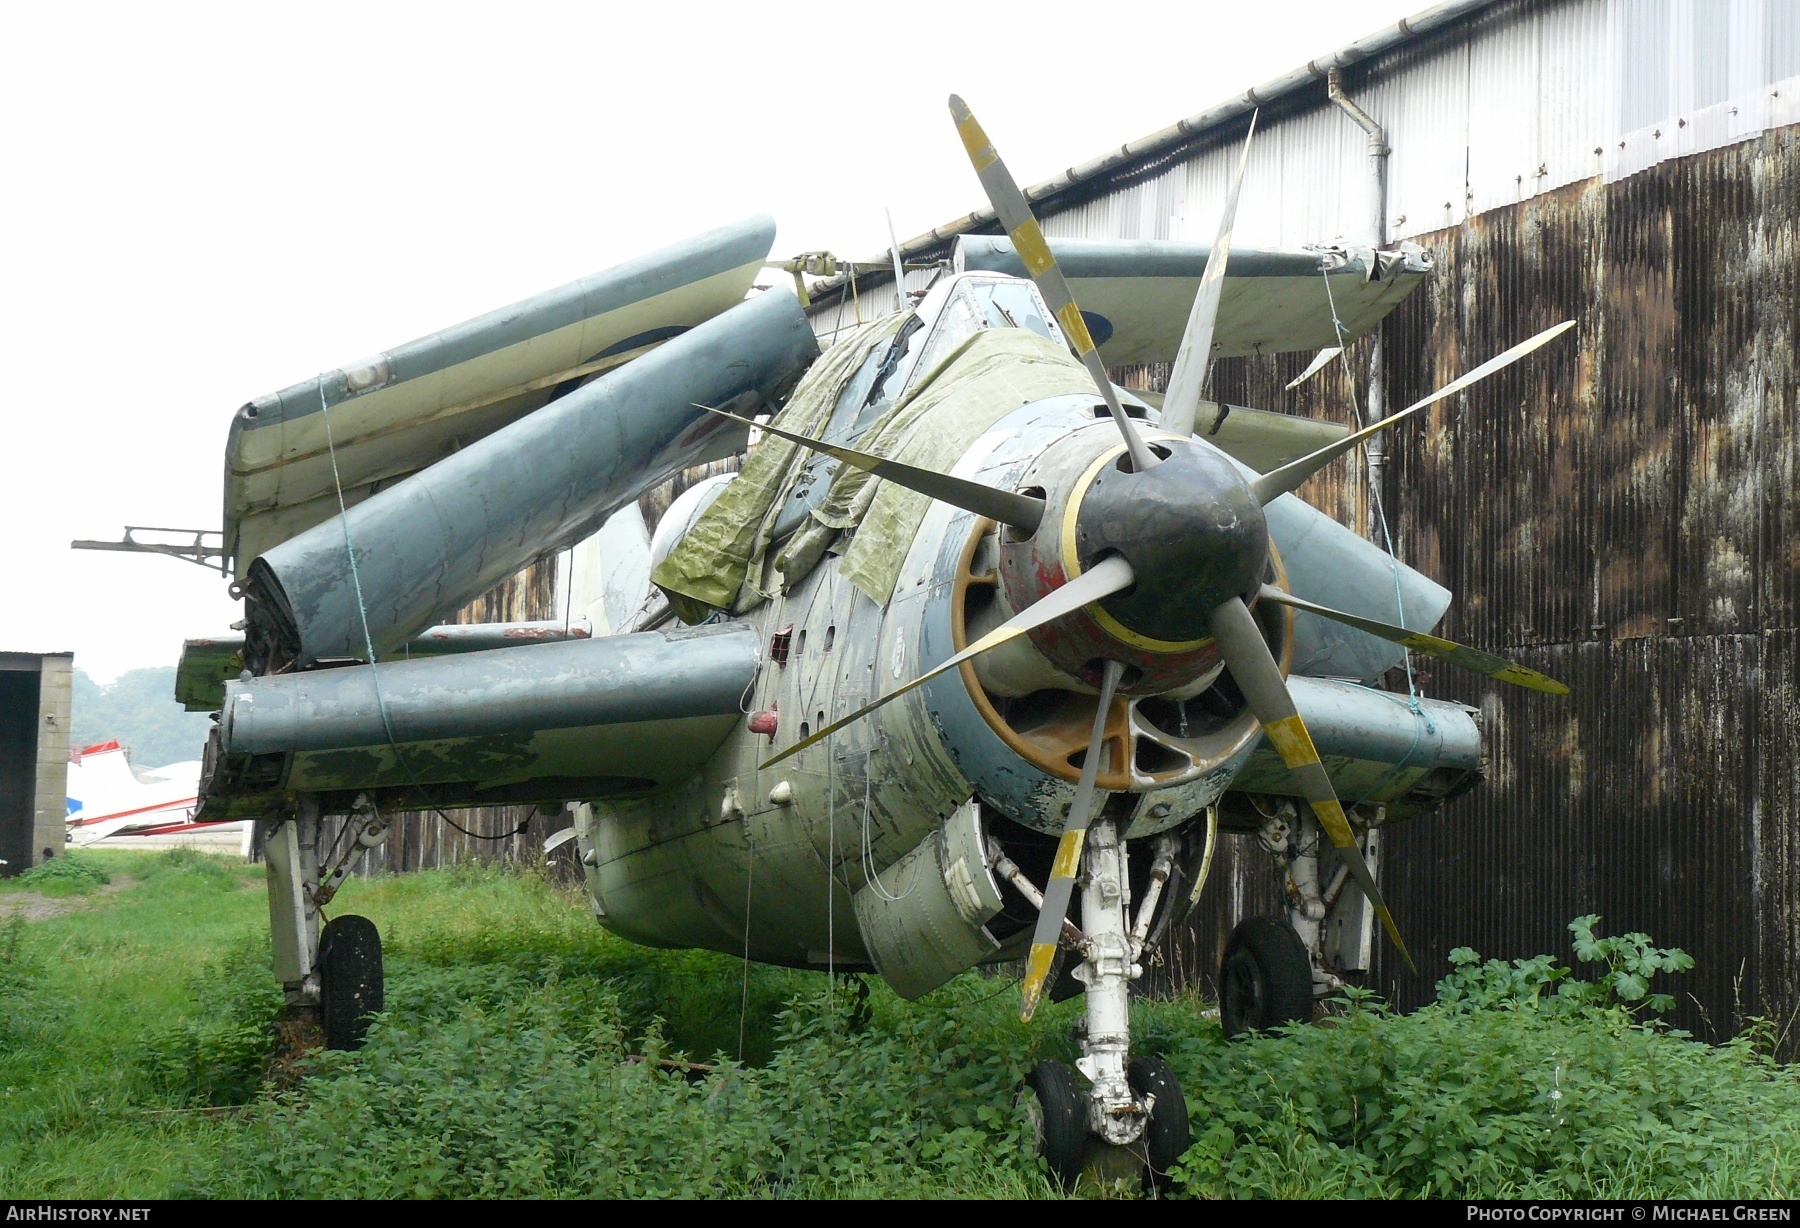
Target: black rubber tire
(1060, 1118)
(351, 981)
(1265, 979)
(1167, 1134)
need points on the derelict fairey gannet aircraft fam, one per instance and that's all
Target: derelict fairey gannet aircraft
(968, 664)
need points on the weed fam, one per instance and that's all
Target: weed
(21, 980)
(1627, 962)
(511, 1062)
(74, 873)
(1519, 1082)
(218, 1054)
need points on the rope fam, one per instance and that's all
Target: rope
(569, 592)
(362, 611)
(830, 876)
(868, 844)
(1387, 536)
(744, 1001)
(1422, 722)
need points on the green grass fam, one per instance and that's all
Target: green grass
(503, 1067)
(78, 993)
(76, 873)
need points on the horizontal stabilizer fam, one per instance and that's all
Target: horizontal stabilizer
(441, 538)
(1137, 293)
(582, 719)
(396, 412)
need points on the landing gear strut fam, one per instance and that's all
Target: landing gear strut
(1276, 968)
(1135, 1104)
(332, 980)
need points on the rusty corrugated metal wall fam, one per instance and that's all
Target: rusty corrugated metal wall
(1620, 513)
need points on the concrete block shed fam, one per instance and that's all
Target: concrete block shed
(34, 756)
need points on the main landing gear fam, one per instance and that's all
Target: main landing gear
(1266, 978)
(1276, 968)
(331, 974)
(1130, 1105)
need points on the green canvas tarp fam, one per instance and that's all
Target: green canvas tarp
(720, 563)
(707, 568)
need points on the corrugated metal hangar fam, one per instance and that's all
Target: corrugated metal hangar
(1618, 513)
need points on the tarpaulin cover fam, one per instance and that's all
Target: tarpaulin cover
(719, 564)
(708, 566)
(993, 373)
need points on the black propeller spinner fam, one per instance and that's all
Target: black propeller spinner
(1191, 530)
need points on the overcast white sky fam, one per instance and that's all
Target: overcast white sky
(204, 204)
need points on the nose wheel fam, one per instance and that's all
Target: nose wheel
(1166, 1132)
(1131, 1108)
(1056, 1108)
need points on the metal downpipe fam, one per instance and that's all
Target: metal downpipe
(1375, 451)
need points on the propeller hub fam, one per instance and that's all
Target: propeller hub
(1190, 528)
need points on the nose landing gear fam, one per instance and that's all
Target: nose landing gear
(1131, 1105)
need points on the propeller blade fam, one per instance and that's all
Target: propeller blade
(1429, 645)
(1061, 887)
(899, 264)
(1288, 477)
(1110, 575)
(1020, 511)
(1181, 403)
(1315, 366)
(1247, 657)
(1028, 240)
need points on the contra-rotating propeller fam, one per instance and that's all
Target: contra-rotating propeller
(1204, 567)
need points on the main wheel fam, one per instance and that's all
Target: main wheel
(350, 980)
(1166, 1134)
(1053, 1101)
(1265, 979)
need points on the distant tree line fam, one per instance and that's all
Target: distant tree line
(139, 709)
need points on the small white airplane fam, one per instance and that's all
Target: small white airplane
(107, 797)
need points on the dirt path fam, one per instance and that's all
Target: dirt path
(34, 907)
